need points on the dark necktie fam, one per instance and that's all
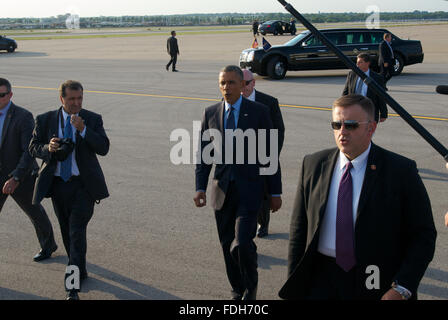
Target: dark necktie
(66, 165)
(231, 119)
(345, 246)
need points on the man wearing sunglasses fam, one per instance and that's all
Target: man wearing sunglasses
(250, 93)
(18, 169)
(354, 84)
(362, 224)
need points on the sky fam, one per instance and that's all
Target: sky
(90, 8)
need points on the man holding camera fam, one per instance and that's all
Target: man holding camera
(68, 140)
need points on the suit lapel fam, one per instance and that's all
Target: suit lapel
(53, 123)
(327, 168)
(7, 122)
(370, 178)
(244, 116)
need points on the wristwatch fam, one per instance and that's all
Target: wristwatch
(405, 294)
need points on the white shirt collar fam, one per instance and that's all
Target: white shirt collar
(252, 96)
(358, 163)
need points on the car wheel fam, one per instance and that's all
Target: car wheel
(11, 48)
(275, 32)
(263, 33)
(276, 68)
(399, 64)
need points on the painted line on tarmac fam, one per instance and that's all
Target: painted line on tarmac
(217, 100)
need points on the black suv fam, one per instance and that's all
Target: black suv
(7, 44)
(307, 52)
(275, 27)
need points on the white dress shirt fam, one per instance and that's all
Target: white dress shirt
(364, 86)
(252, 96)
(327, 234)
(75, 169)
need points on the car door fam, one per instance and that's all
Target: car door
(311, 54)
(2, 43)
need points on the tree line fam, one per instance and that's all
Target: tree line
(224, 18)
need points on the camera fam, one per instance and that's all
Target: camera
(66, 146)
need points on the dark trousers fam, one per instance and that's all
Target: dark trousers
(264, 213)
(330, 282)
(36, 213)
(387, 72)
(237, 226)
(74, 208)
(172, 61)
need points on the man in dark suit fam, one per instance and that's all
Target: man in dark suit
(173, 51)
(237, 186)
(386, 60)
(72, 178)
(362, 225)
(354, 84)
(18, 169)
(250, 93)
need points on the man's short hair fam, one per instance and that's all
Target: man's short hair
(386, 35)
(235, 69)
(173, 33)
(72, 85)
(6, 83)
(364, 56)
(356, 99)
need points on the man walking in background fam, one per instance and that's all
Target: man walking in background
(250, 93)
(173, 51)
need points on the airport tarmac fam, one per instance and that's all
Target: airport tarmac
(148, 240)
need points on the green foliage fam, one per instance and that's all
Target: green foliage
(211, 19)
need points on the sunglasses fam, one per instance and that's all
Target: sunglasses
(348, 124)
(248, 81)
(2, 95)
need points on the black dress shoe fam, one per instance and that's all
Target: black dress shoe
(44, 254)
(236, 296)
(250, 294)
(72, 295)
(175, 70)
(166, 68)
(262, 232)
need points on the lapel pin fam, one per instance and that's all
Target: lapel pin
(245, 114)
(373, 167)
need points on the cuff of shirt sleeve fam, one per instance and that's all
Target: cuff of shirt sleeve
(83, 133)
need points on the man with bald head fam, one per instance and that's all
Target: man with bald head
(250, 93)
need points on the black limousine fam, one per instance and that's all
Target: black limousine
(307, 52)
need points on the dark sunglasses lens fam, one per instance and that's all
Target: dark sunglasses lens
(2, 95)
(351, 125)
(336, 125)
(248, 81)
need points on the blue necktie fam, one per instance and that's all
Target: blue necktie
(345, 244)
(66, 165)
(231, 119)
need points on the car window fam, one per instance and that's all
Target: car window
(295, 40)
(376, 37)
(337, 38)
(313, 42)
